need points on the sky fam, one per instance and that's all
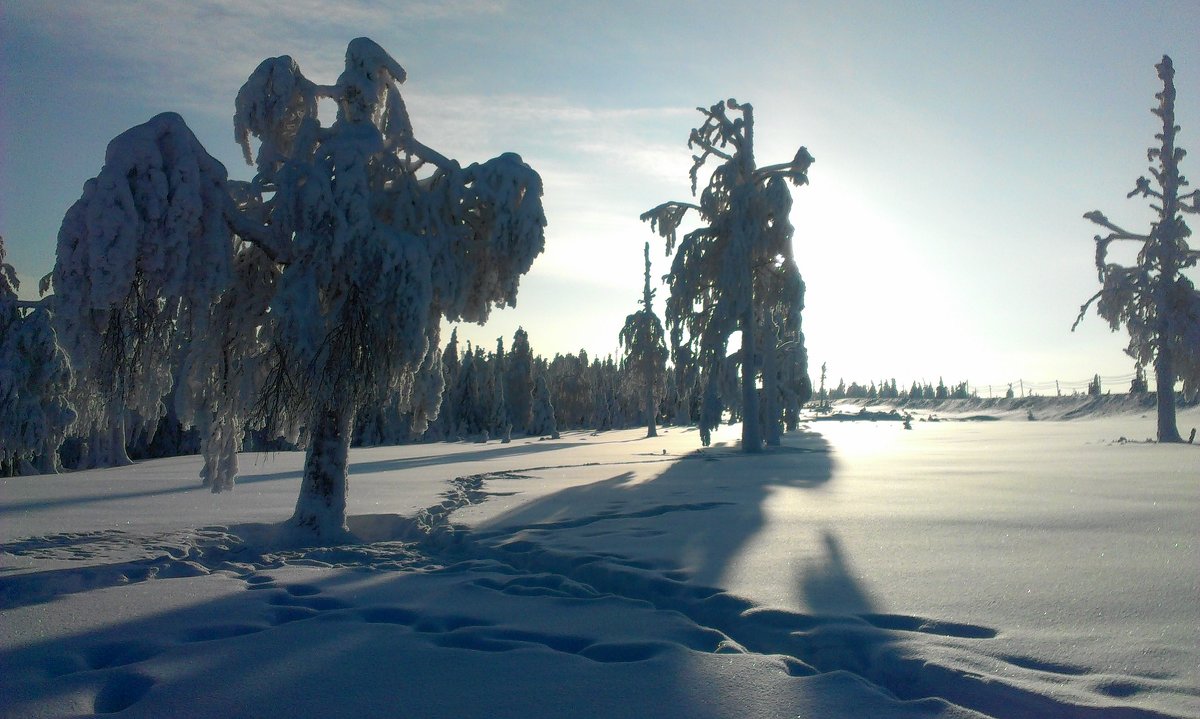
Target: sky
(957, 146)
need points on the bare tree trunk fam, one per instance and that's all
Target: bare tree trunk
(1164, 368)
(321, 506)
(751, 435)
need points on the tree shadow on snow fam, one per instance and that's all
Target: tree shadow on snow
(701, 510)
(827, 583)
(494, 450)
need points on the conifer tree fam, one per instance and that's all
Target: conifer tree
(720, 267)
(1155, 301)
(646, 352)
(498, 421)
(444, 427)
(35, 383)
(542, 422)
(518, 382)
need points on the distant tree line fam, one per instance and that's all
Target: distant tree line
(889, 389)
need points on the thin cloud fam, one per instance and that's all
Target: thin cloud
(189, 55)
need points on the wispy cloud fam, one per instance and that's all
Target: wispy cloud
(188, 55)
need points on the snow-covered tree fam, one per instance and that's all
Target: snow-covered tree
(35, 380)
(542, 422)
(716, 277)
(786, 385)
(646, 352)
(446, 425)
(1155, 301)
(570, 385)
(518, 381)
(1139, 385)
(299, 296)
(498, 421)
(142, 257)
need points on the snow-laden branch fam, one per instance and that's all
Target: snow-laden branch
(1117, 233)
(795, 171)
(268, 240)
(666, 218)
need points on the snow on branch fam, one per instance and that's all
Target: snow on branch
(273, 105)
(666, 218)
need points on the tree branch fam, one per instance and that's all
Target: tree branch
(1118, 233)
(269, 242)
(1084, 308)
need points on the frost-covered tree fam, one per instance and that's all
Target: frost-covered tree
(142, 257)
(1155, 301)
(571, 387)
(518, 381)
(35, 379)
(684, 382)
(1139, 385)
(445, 426)
(786, 385)
(542, 422)
(716, 277)
(646, 352)
(498, 421)
(295, 298)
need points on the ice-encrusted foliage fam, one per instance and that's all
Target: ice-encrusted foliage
(273, 105)
(717, 274)
(288, 302)
(35, 380)
(1153, 299)
(384, 238)
(646, 352)
(142, 256)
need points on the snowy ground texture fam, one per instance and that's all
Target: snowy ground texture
(961, 569)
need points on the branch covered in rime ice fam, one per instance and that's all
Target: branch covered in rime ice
(666, 218)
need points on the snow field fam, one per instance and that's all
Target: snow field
(1010, 569)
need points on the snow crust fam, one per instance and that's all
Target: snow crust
(1007, 569)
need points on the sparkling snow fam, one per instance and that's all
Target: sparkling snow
(964, 568)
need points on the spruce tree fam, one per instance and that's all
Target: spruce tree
(518, 382)
(721, 268)
(646, 352)
(1153, 299)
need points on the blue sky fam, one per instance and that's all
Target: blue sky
(957, 145)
